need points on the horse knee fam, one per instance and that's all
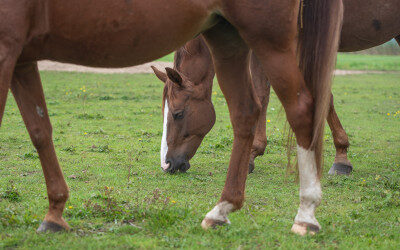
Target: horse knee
(244, 121)
(40, 137)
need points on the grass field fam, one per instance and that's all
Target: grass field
(107, 140)
(351, 61)
(368, 62)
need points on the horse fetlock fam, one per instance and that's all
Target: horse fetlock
(311, 195)
(341, 165)
(341, 141)
(342, 158)
(59, 197)
(309, 201)
(218, 215)
(258, 148)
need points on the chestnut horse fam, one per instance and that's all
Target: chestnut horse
(122, 33)
(193, 63)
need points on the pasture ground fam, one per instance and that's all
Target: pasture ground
(107, 131)
(351, 61)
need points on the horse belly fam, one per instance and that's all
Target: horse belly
(369, 23)
(121, 33)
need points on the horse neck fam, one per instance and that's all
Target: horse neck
(195, 62)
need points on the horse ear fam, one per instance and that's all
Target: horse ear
(161, 75)
(174, 76)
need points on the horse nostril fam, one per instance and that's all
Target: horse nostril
(166, 166)
(184, 167)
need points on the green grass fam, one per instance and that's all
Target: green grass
(368, 62)
(167, 58)
(351, 61)
(108, 147)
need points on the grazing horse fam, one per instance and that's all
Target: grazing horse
(194, 64)
(122, 33)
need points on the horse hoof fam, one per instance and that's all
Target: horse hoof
(302, 229)
(51, 227)
(210, 223)
(251, 168)
(340, 169)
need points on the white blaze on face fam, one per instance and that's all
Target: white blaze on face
(164, 146)
(310, 187)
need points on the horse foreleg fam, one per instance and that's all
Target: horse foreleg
(27, 90)
(342, 164)
(5, 80)
(262, 88)
(398, 40)
(231, 57)
(7, 64)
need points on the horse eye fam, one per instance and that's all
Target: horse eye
(178, 115)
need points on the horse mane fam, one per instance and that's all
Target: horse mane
(195, 62)
(178, 57)
(181, 53)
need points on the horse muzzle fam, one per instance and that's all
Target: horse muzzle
(173, 165)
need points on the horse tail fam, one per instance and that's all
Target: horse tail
(320, 24)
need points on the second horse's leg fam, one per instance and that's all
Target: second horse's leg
(342, 164)
(262, 88)
(27, 90)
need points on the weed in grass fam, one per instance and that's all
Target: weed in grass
(29, 155)
(100, 149)
(11, 193)
(70, 149)
(105, 98)
(86, 116)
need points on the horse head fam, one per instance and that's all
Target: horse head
(188, 116)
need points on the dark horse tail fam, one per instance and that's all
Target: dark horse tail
(320, 24)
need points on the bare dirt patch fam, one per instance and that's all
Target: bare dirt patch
(145, 68)
(66, 67)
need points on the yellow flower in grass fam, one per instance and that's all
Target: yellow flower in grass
(173, 201)
(85, 133)
(70, 207)
(388, 114)
(268, 121)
